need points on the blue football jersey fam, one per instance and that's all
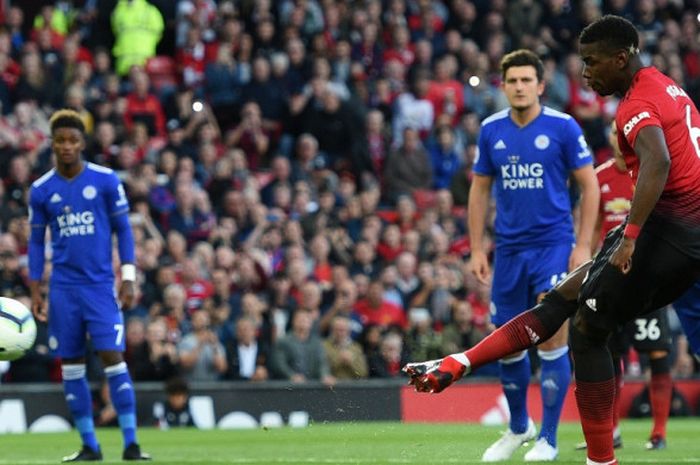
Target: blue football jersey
(530, 167)
(79, 213)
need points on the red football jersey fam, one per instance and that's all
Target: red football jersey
(653, 99)
(616, 191)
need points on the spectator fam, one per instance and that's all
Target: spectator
(374, 310)
(142, 105)
(137, 27)
(387, 362)
(202, 356)
(345, 356)
(154, 358)
(299, 356)
(247, 356)
(407, 168)
(444, 158)
(175, 411)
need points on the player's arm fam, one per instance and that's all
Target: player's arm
(654, 165)
(36, 252)
(590, 198)
(479, 198)
(118, 206)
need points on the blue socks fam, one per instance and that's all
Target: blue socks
(555, 378)
(121, 390)
(515, 378)
(77, 391)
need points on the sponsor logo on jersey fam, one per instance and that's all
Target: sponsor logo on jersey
(542, 141)
(76, 224)
(89, 192)
(605, 188)
(634, 121)
(55, 198)
(500, 145)
(516, 176)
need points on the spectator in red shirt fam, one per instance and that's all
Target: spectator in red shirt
(374, 310)
(143, 106)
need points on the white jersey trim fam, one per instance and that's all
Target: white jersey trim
(555, 113)
(99, 168)
(496, 116)
(48, 175)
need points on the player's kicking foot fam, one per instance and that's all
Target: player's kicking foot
(133, 452)
(86, 454)
(655, 443)
(617, 443)
(509, 443)
(436, 375)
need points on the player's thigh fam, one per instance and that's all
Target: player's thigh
(650, 332)
(103, 318)
(660, 273)
(509, 289)
(66, 326)
(547, 267)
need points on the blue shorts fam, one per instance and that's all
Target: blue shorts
(76, 311)
(688, 310)
(520, 276)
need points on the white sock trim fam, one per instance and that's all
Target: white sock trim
(516, 359)
(593, 462)
(553, 354)
(461, 358)
(73, 372)
(116, 369)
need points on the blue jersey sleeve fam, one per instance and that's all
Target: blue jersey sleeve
(118, 207)
(577, 152)
(482, 162)
(37, 220)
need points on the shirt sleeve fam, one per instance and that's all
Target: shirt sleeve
(633, 115)
(482, 161)
(37, 220)
(117, 202)
(577, 152)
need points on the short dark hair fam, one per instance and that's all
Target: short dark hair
(522, 57)
(66, 118)
(615, 32)
(177, 386)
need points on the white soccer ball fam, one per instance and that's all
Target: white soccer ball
(17, 329)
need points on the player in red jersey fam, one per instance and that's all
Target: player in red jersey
(649, 334)
(642, 266)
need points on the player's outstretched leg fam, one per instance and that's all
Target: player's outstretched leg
(522, 332)
(77, 391)
(121, 389)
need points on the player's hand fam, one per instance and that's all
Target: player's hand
(39, 309)
(127, 294)
(621, 257)
(480, 266)
(579, 255)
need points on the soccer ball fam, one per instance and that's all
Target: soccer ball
(17, 329)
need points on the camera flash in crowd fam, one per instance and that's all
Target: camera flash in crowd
(197, 106)
(474, 81)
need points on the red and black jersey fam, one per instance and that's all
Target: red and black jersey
(616, 191)
(653, 99)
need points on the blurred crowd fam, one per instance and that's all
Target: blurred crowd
(298, 170)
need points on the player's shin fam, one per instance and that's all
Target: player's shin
(660, 392)
(595, 392)
(526, 330)
(77, 392)
(121, 389)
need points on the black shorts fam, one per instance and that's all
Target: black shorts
(660, 274)
(647, 333)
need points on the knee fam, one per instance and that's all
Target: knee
(110, 358)
(583, 335)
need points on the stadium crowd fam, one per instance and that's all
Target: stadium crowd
(298, 171)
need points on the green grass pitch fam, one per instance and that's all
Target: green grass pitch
(344, 444)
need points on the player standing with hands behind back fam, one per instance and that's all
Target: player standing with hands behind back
(528, 152)
(83, 204)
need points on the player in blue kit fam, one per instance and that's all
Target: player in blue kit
(83, 204)
(526, 156)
